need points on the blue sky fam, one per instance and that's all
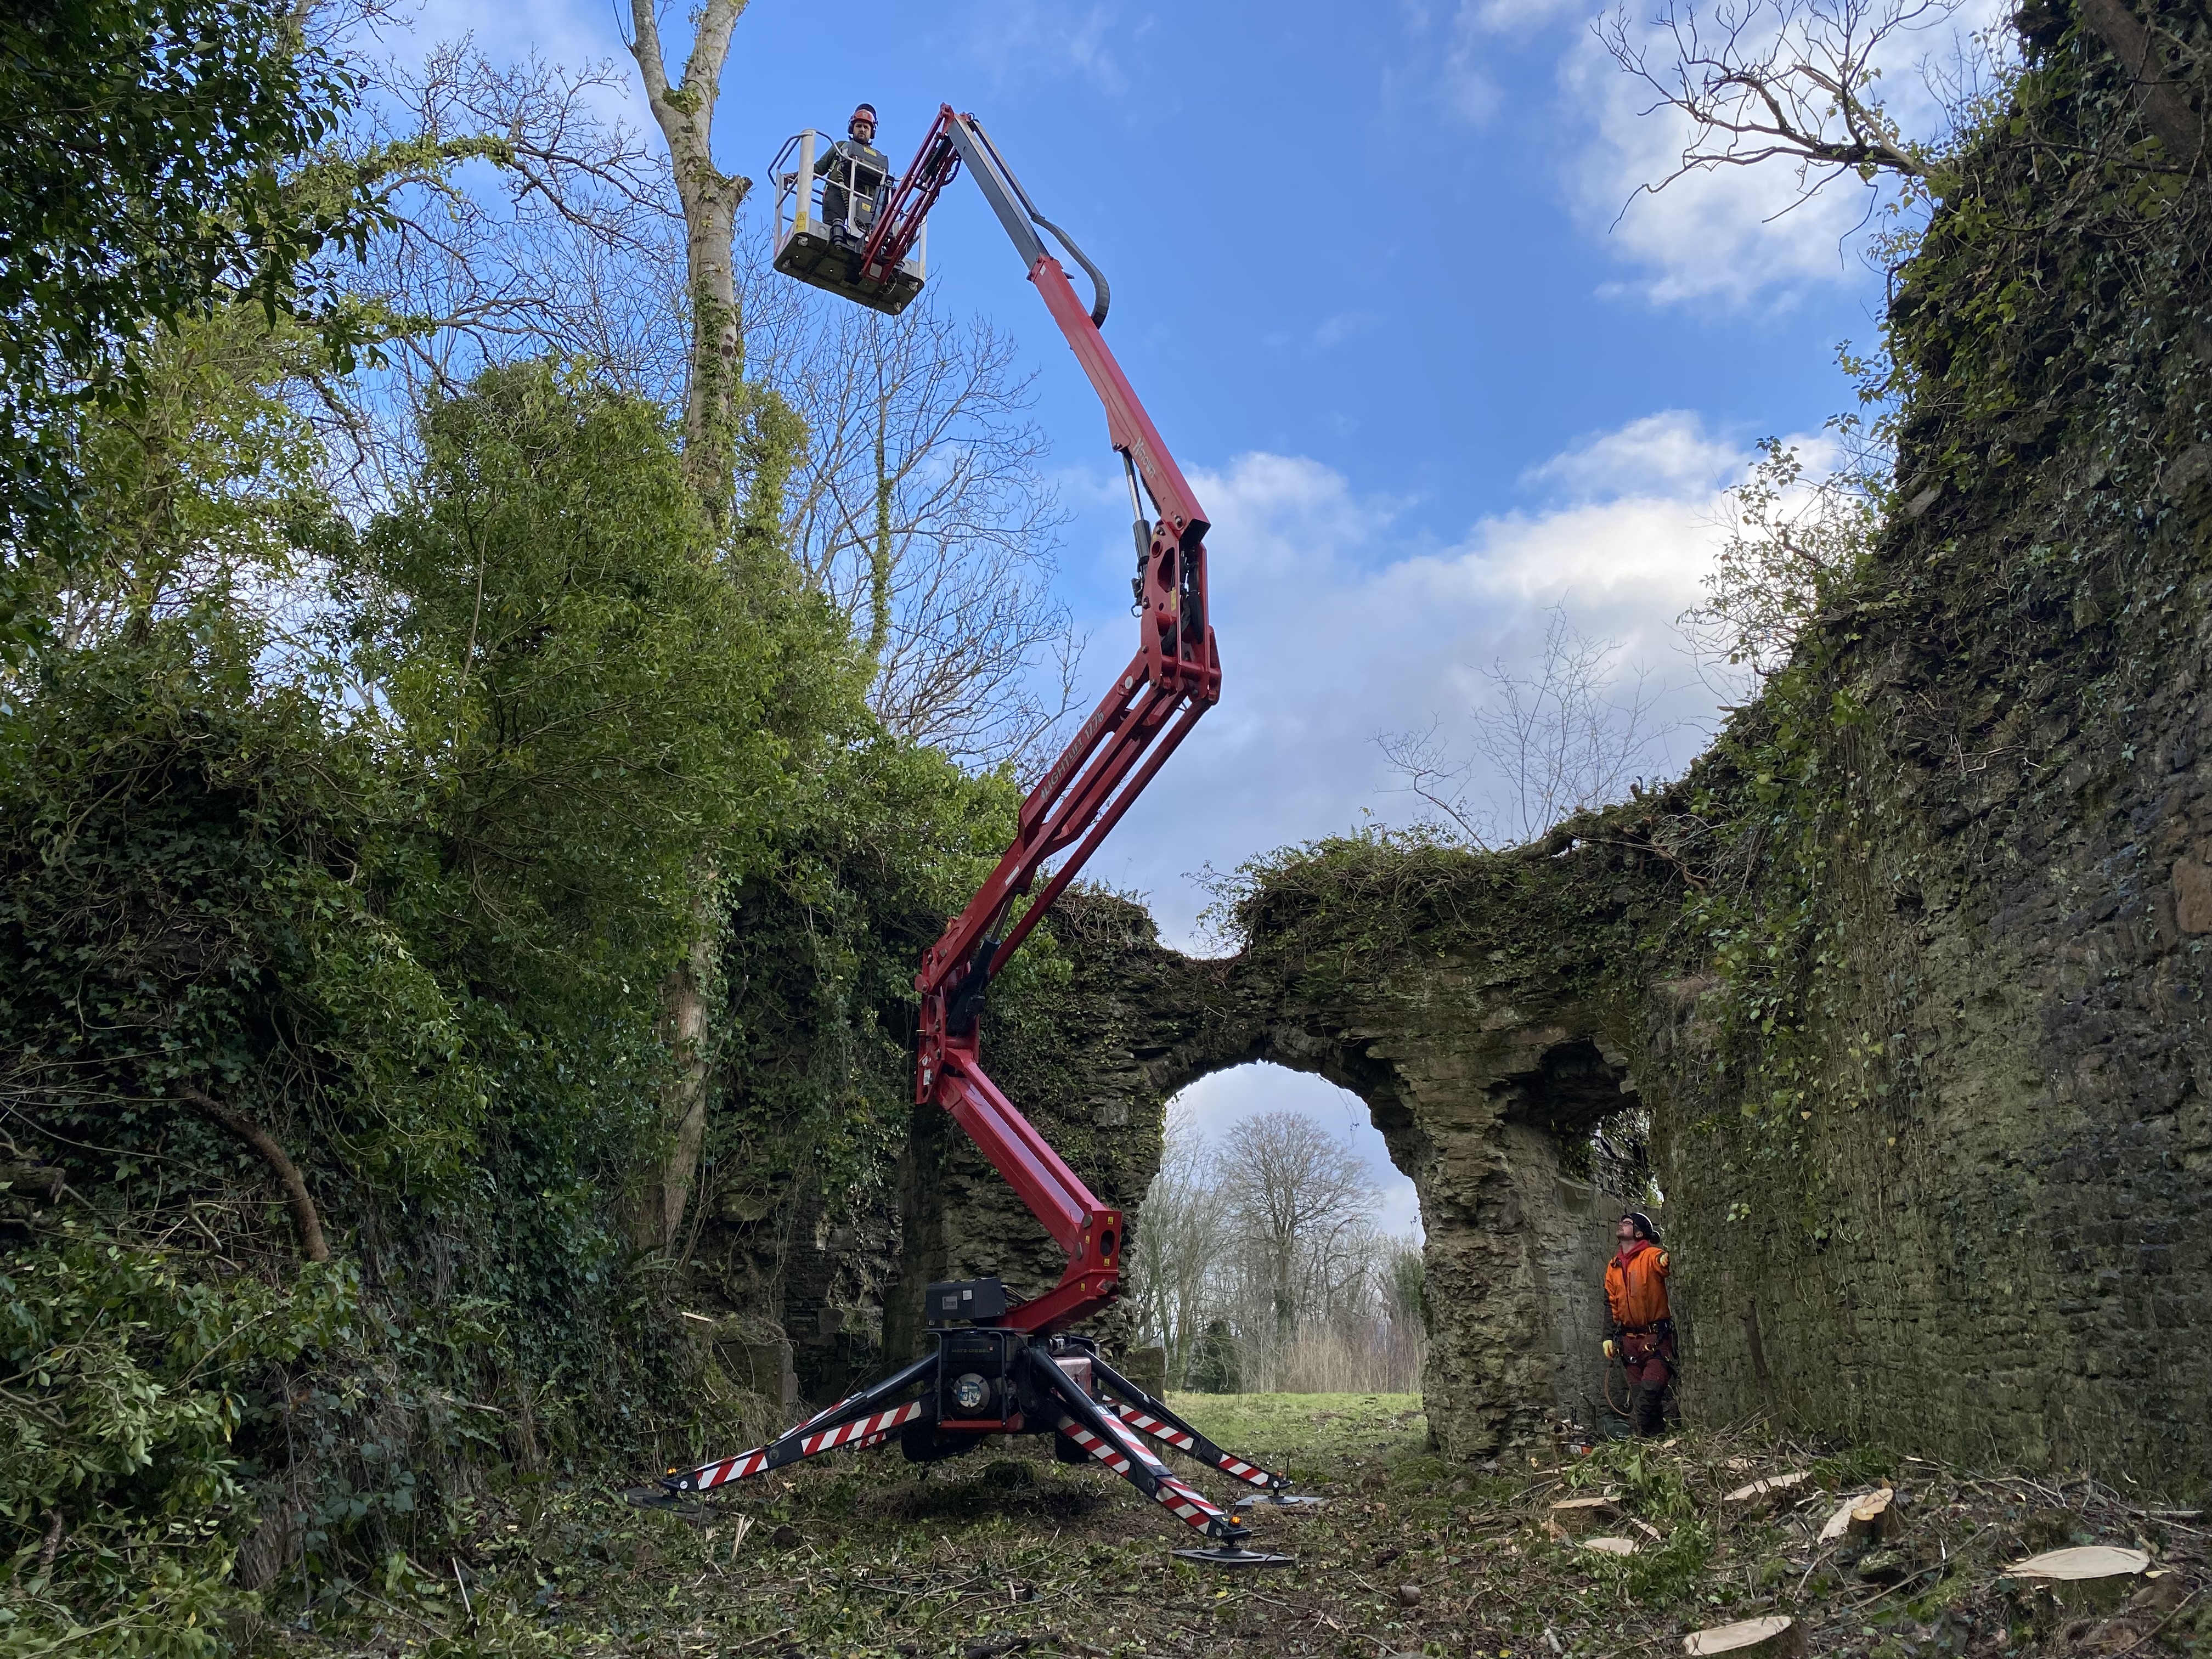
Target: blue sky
(1373, 276)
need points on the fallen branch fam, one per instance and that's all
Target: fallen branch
(304, 1218)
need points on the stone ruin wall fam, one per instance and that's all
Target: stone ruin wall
(1476, 1086)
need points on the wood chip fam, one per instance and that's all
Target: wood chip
(1769, 1638)
(1611, 1545)
(2084, 1561)
(1774, 1487)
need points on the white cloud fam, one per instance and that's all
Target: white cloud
(1738, 233)
(1662, 454)
(1732, 234)
(1026, 38)
(1345, 325)
(1516, 16)
(1437, 70)
(1332, 632)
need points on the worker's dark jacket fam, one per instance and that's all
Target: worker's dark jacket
(857, 174)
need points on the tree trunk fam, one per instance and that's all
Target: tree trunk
(879, 563)
(683, 1028)
(709, 199)
(2164, 103)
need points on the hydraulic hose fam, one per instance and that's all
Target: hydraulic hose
(1101, 296)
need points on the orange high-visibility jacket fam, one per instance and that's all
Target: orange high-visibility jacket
(1636, 1286)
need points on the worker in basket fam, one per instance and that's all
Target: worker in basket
(1641, 1334)
(857, 173)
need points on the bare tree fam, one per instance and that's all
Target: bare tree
(1572, 734)
(922, 511)
(1181, 1233)
(1798, 80)
(709, 199)
(1262, 1267)
(523, 223)
(1295, 1195)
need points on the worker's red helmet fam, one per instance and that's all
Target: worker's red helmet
(865, 112)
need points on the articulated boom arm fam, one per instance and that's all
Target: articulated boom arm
(1174, 678)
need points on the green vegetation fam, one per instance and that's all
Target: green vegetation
(344, 860)
(384, 876)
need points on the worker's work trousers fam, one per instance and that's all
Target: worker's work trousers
(1649, 1359)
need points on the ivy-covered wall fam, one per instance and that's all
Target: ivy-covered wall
(1940, 1132)
(1407, 978)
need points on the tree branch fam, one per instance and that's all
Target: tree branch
(308, 1225)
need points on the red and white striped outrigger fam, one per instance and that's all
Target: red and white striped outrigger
(1046, 1384)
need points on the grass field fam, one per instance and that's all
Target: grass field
(1004, 1552)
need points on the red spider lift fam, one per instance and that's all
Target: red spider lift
(1004, 1366)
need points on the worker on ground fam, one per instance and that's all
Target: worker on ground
(1641, 1335)
(857, 172)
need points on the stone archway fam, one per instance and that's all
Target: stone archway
(1481, 1092)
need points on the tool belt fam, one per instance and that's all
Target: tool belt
(1648, 1342)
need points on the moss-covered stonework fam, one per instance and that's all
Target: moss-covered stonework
(1482, 1076)
(1910, 971)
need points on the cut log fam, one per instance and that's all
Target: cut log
(1611, 1545)
(1763, 1494)
(2089, 1579)
(1776, 1637)
(1577, 1517)
(1866, 1515)
(1870, 1516)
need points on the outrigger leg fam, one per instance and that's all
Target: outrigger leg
(1101, 1432)
(1035, 1396)
(1141, 1410)
(860, 1420)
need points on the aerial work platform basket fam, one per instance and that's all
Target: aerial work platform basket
(826, 209)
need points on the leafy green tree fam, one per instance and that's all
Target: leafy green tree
(594, 692)
(601, 700)
(143, 182)
(128, 1376)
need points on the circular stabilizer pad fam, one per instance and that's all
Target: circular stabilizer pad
(1228, 1555)
(1283, 1500)
(659, 1497)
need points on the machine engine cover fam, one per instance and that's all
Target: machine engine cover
(959, 1301)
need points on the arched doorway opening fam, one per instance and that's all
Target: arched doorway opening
(1574, 1133)
(1279, 1248)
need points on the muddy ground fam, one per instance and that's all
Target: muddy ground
(1004, 1552)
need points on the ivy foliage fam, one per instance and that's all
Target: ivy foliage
(128, 1377)
(401, 888)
